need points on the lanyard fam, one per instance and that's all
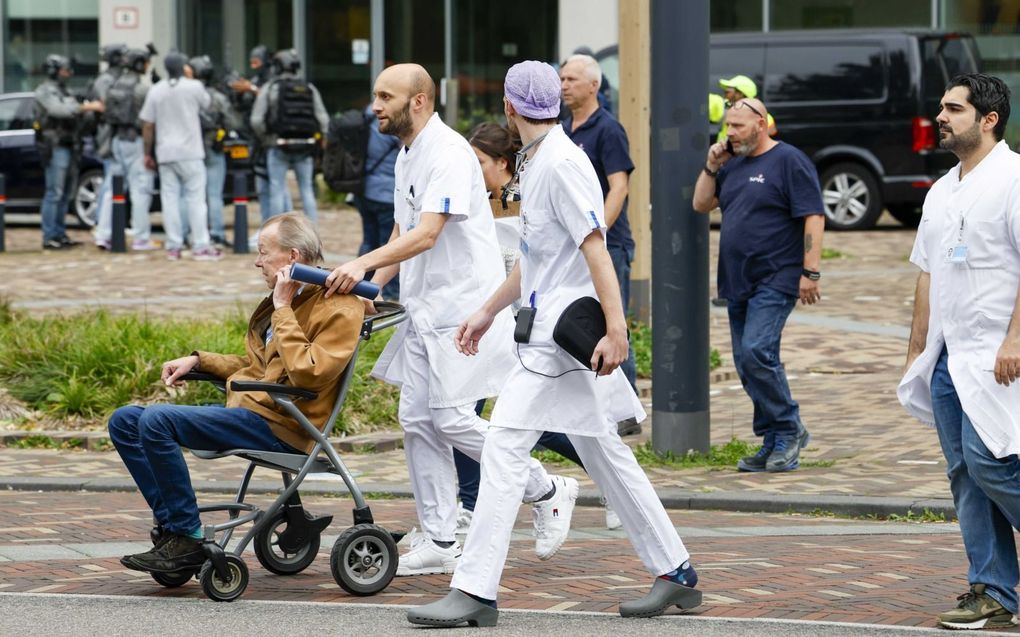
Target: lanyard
(520, 159)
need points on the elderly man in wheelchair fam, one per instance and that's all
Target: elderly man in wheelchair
(296, 337)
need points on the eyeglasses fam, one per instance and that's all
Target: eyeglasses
(753, 109)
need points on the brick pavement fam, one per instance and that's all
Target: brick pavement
(751, 565)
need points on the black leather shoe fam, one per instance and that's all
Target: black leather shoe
(179, 553)
(53, 244)
(629, 427)
(69, 242)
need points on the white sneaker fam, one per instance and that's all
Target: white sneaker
(427, 558)
(612, 519)
(410, 538)
(552, 517)
(463, 519)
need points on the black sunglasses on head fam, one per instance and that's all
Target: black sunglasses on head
(753, 109)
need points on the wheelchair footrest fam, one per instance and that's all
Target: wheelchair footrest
(301, 525)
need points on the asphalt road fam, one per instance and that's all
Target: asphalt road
(115, 616)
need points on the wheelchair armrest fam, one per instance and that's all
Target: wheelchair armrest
(212, 378)
(251, 385)
(389, 314)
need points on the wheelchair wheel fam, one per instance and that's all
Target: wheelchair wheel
(172, 580)
(364, 559)
(218, 590)
(279, 559)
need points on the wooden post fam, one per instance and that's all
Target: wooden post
(635, 98)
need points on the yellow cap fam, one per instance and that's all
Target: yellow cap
(716, 108)
(742, 83)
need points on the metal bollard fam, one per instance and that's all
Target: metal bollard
(3, 208)
(240, 213)
(117, 241)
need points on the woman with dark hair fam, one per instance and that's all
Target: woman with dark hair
(496, 149)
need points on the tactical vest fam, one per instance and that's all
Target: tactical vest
(121, 106)
(292, 114)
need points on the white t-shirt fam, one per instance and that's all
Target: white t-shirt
(561, 205)
(971, 302)
(442, 286)
(173, 106)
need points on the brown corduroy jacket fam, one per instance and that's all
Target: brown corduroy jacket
(312, 342)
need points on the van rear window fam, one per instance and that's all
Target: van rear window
(821, 72)
(945, 58)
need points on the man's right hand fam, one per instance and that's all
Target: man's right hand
(717, 156)
(173, 370)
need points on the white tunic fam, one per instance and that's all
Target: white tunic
(561, 204)
(971, 303)
(440, 287)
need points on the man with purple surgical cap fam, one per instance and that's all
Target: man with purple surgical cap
(563, 258)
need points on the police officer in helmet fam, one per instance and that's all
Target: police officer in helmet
(56, 112)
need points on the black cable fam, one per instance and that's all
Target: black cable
(577, 369)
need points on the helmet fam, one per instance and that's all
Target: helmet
(286, 61)
(113, 54)
(54, 63)
(260, 52)
(136, 59)
(203, 68)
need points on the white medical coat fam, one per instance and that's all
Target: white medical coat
(441, 287)
(971, 303)
(561, 204)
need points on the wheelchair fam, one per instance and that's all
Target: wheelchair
(285, 537)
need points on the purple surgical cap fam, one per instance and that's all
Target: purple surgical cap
(534, 89)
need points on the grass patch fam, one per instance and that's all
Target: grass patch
(718, 457)
(34, 442)
(927, 516)
(832, 253)
(546, 456)
(641, 341)
(88, 364)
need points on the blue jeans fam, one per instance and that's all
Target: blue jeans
(277, 163)
(986, 493)
(215, 177)
(621, 263)
(756, 329)
(469, 472)
(182, 192)
(376, 228)
(58, 191)
(149, 440)
(127, 160)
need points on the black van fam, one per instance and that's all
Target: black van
(861, 104)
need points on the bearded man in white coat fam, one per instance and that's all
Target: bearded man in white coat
(964, 353)
(445, 249)
(563, 258)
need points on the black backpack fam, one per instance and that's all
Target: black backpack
(121, 109)
(293, 114)
(343, 161)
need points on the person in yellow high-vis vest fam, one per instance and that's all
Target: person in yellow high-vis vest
(735, 89)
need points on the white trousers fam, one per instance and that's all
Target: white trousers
(608, 461)
(182, 191)
(430, 434)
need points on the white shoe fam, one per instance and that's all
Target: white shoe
(463, 519)
(410, 538)
(612, 519)
(427, 558)
(552, 517)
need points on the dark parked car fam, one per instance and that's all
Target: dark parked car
(22, 166)
(861, 104)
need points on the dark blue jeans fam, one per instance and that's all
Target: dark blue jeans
(986, 493)
(376, 228)
(756, 329)
(621, 263)
(149, 440)
(469, 472)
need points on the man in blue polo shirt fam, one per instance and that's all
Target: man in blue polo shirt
(770, 248)
(603, 139)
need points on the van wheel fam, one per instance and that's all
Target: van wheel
(85, 203)
(850, 197)
(907, 214)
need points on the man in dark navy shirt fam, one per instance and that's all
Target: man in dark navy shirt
(770, 247)
(603, 139)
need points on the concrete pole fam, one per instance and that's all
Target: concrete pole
(680, 406)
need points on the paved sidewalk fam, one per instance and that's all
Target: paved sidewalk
(843, 357)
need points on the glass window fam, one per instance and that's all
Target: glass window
(814, 72)
(269, 22)
(725, 61)
(335, 29)
(201, 30)
(829, 14)
(33, 29)
(735, 15)
(15, 113)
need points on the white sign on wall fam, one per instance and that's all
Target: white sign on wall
(359, 51)
(125, 17)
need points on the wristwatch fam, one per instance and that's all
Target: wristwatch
(712, 174)
(812, 274)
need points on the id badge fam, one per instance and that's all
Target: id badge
(957, 254)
